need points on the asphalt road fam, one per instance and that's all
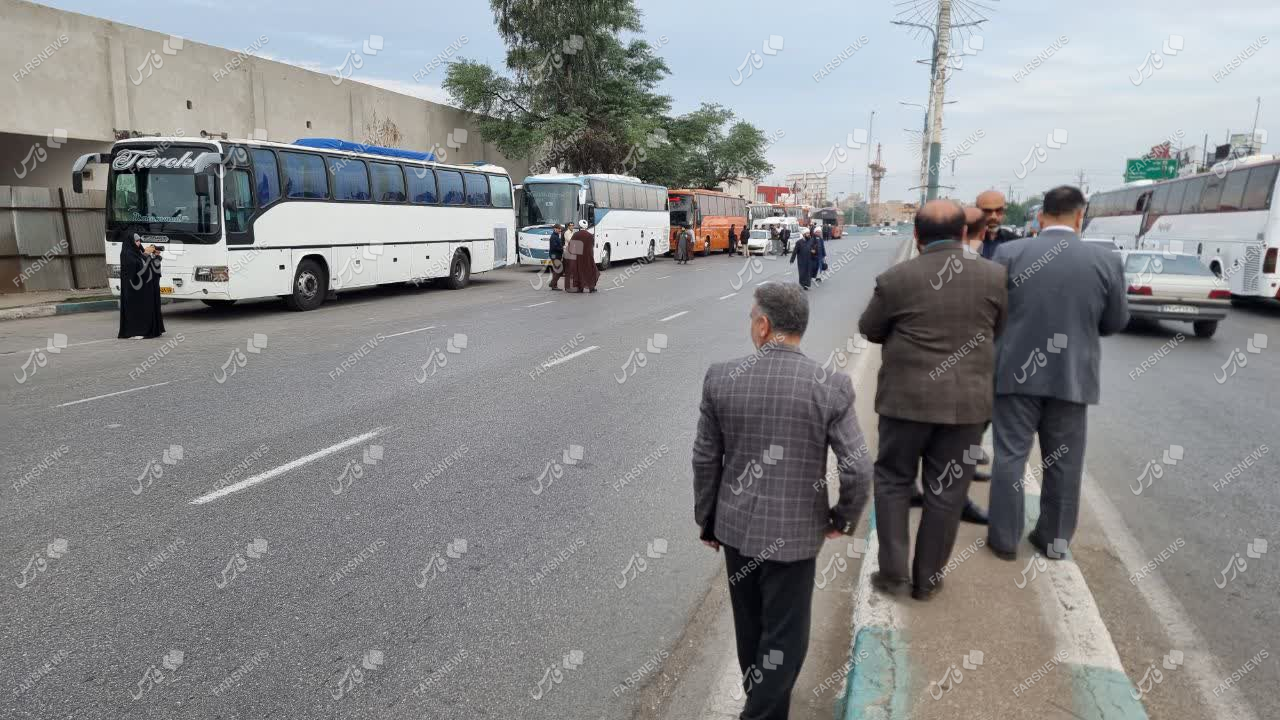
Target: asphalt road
(427, 567)
(1219, 417)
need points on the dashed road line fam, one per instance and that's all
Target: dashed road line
(86, 342)
(409, 332)
(122, 392)
(545, 302)
(726, 297)
(570, 356)
(263, 477)
(673, 317)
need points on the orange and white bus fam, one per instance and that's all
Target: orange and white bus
(709, 214)
(833, 217)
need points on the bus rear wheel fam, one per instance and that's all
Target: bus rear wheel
(310, 285)
(459, 271)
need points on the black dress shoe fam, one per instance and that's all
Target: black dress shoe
(973, 514)
(890, 585)
(1043, 547)
(917, 500)
(1006, 555)
(925, 594)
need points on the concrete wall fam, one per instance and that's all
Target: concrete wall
(88, 84)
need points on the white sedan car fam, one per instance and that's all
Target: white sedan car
(758, 242)
(1168, 286)
(888, 230)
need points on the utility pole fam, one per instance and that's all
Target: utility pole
(1080, 182)
(937, 93)
(1253, 135)
(870, 125)
(877, 174)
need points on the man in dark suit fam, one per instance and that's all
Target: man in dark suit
(759, 460)
(555, 251)
(1064, 295)
(938, 317)
(993, 206)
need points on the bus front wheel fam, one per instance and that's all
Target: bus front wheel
(309, 287)
(459, 271)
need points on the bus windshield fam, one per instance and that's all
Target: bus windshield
(161, 201)
(681, 207)
(550, 203)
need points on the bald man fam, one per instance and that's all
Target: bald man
(938, 316)
(993, 206)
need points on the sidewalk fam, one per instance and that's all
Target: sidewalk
(43, 303)
(1005, 640)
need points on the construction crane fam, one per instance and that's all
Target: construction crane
(877, 174)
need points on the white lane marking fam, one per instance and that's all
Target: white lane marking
(86, 342)
(699, 269)
(673, 317)
(409, 332)
(570, 356)
(664, 277)
(122, 392)
(1204, 667)
(726, 297)
(546, 302)
(762, 282)
(263, 477)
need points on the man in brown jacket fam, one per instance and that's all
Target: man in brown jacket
(938, 317)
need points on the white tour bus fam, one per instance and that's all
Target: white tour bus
(1227, 217)
(628, 218)
(1117, 214)
(241, 219)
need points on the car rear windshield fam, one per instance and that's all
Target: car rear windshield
(1165, 265)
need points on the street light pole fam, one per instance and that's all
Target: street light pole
(937, 92)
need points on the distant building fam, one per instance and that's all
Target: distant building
(744, 188)
(810, 187)
(770, 193)
(896, 211)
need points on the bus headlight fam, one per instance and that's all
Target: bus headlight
(215, 273)
(113, 272)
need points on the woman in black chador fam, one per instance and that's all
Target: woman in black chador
(139, 290)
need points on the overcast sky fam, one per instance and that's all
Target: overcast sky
(1084, 89)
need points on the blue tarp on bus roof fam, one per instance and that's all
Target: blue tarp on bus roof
(336, 144)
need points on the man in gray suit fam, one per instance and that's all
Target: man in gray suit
(938, 317)
(759, 464)
(1063, 296)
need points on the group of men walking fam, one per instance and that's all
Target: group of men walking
(981, 327)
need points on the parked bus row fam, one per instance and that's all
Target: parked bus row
(1226, 217)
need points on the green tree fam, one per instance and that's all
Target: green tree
(1018, 213)
(698, 152)
(575, 95)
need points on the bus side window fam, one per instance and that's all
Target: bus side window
(237, 200)
(267, 177)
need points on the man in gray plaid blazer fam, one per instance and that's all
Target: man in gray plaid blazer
(759, 481)
(938, 317)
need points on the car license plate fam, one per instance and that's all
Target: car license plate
(166, 290)
(1182, 309)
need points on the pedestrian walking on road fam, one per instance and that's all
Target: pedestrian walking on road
(804, 257)
(1063, 296)
(775, 241)
(759, 490)
(139, 289)
(820, 257)
(938, 317)
(993, 206)
(684, 244)
(555, 251)
(733, 240)
(583, 269)
(786, 239)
